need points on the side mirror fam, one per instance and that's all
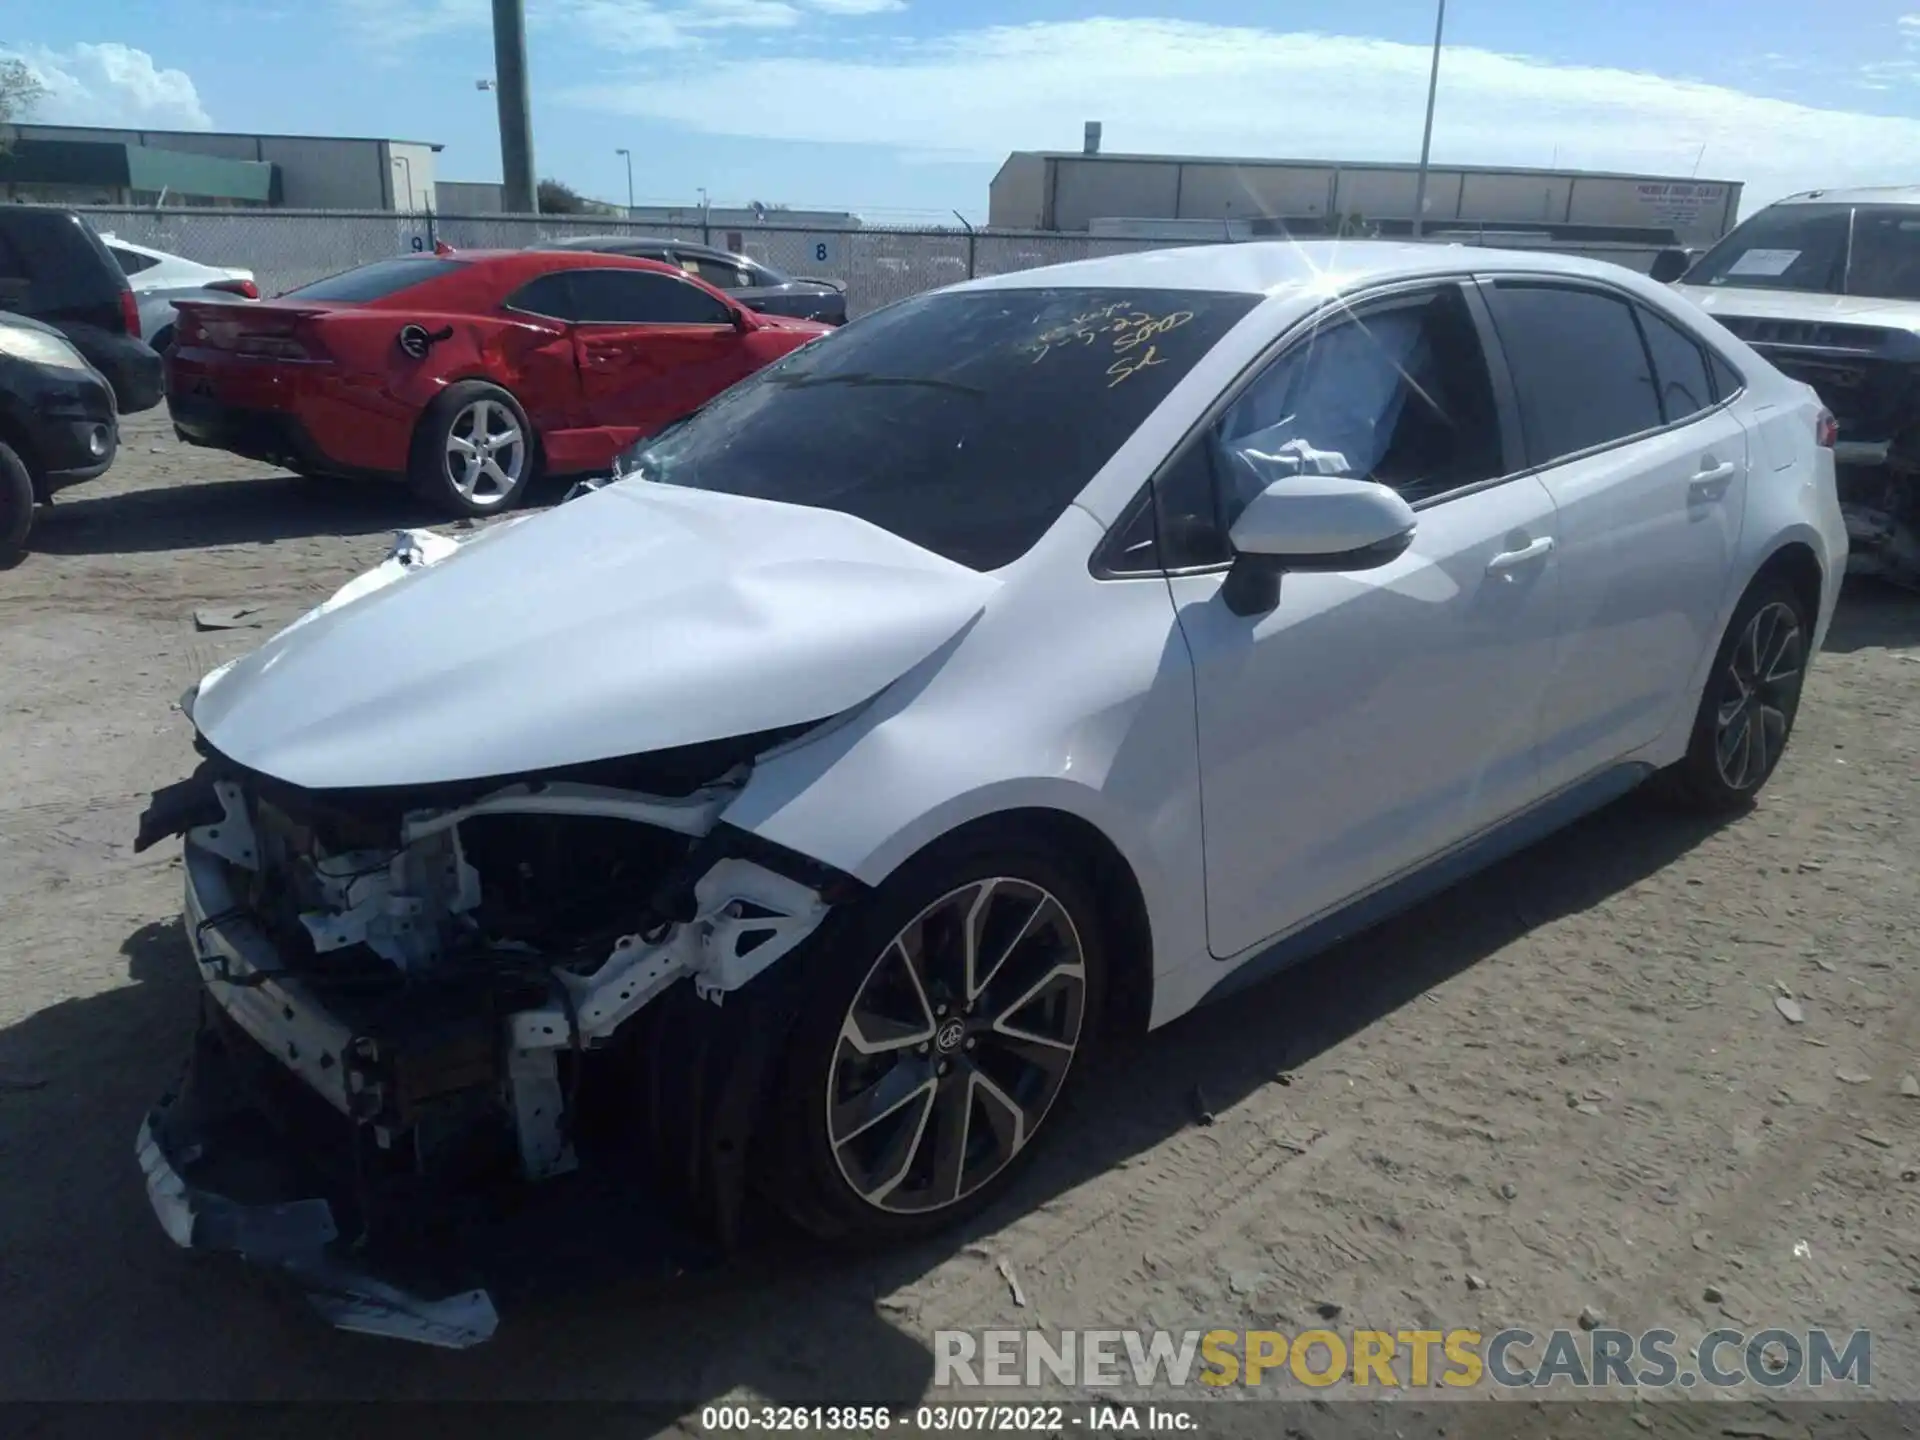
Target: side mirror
(1313, 522)
(1670, 265)
(742, 321)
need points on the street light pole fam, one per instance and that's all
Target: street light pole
(516, 115)
(1426, 135)
(629, 157)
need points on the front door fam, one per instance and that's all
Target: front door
(1649, 471)
(651, 347)
(1370, 720)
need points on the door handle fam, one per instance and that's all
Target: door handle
(1507, 561)
(1711, 483)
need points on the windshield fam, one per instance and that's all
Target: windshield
(376, 281)
(962, 421)
(1871, 250)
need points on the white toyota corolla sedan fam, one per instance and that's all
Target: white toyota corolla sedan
(1055, 651)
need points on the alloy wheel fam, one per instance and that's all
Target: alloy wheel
(486, 453)
(956, 1045)
(1759, 692)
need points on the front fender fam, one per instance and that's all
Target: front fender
(1070, 694)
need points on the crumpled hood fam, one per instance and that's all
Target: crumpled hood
(637, 617)
(1758, 304)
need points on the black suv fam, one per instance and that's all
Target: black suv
(57, 423)
(55, 269)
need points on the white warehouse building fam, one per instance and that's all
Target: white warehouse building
(1180, 196)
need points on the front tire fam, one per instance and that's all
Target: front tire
(16, 507)
(473, 453)
(1753, 692)
(946, 1013)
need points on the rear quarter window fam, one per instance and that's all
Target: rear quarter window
(378, 280)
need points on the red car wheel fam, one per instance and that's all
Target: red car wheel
(474, 451)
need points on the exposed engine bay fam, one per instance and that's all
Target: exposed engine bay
(1869, 377)
(450, 978)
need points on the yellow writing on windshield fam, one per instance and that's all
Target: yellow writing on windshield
(1120, 330)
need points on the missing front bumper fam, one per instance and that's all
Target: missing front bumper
(202, 1148)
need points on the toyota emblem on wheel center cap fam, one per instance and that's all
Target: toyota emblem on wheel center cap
(947, 1039)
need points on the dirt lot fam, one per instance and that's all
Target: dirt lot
(1568, 1079)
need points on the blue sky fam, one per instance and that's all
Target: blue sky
(904, 108)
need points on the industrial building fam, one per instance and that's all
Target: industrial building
(488, 197)
(1178, 196)
(93, 165)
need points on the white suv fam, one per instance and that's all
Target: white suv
(1826, 285)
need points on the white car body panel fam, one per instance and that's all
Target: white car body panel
(638, 617)
(1419, 684)
(1648, 536)
(1802, 305)
(1370, 723)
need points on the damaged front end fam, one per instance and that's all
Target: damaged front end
(1868, 376)
(423, 1007)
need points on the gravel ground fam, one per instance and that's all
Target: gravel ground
(1564, 1085)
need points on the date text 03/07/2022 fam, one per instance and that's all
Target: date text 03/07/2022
(1095, 1419)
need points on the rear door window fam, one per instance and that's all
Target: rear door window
(378, 280)
(550, 295)
(1679, 365)
(721, 274)
(1579, 367)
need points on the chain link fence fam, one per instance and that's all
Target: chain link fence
(287, 248)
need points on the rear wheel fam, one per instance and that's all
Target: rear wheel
(946, 1013)
(1753, 694)
(473, 453)
(16, 506)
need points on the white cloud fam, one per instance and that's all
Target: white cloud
(111, 84)
(737, 15)
(382, 23)
(859, 7)
(1173, 86)
(1909, 29)
(627, 25)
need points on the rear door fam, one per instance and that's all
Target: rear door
(650, 347)
(1648, 471)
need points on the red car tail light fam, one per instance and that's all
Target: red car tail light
(1826, 430)
(130, 312)
(243, 288)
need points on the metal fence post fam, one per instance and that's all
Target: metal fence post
(971, 240)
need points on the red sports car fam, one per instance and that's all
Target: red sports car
(466, 372)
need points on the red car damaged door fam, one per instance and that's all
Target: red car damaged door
(651, 347)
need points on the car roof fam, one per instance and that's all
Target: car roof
(1857, 195)
(1261, 267)
(533, 262)
(645, 242)
(589, 242)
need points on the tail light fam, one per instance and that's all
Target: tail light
(130, 312)
(1826, 430)
(246, 289)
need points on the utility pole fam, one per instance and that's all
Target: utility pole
(1426, 135)
(516, 115)
(629, 157)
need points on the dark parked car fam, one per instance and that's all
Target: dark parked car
(756, 286)
(54, 268)
(57, 423)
